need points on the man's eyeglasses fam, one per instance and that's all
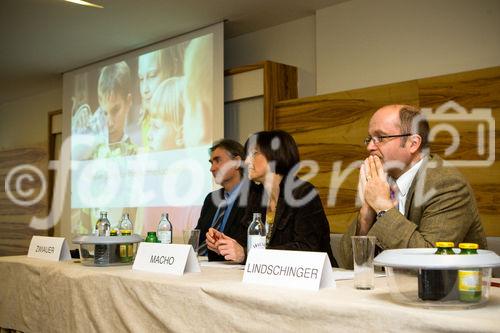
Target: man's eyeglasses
(380, 138)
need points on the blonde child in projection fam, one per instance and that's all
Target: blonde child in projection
(167, 113)
(153, 68)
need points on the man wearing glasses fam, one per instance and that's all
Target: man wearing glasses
(409, 199)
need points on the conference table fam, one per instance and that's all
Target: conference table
(46, 296)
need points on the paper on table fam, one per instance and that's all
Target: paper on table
(221, 264)
(343, 274)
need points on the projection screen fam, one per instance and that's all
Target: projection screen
(140, 126)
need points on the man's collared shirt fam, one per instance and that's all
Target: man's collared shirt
(404, 182)
(229, 199)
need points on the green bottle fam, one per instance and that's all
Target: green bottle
(469, 280)
(438, 284)
(151, 238)
(445, 248)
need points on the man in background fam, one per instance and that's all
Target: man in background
(409, 199)
(221, 209)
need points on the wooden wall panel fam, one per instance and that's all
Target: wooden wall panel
(15, 233)
(475, 89)
(329, 129)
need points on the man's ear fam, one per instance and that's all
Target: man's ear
(239, 162)
(415, 142)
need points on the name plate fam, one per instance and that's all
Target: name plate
(166, 258)
(293, 269)
(49, 248)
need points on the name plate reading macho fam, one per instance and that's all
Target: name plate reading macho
(293, 269)
(166, 258)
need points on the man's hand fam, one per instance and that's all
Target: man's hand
(377, 189)
(366, 213)
(212, 236)
(230, 249)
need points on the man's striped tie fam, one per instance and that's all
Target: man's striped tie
(202, 250)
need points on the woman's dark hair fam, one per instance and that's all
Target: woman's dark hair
(278, 147)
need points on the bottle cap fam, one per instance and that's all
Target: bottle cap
(445, 244)
(468, 246)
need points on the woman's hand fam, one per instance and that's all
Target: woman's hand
(212, 236)
(230, 249)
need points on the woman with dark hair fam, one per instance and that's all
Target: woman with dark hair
(293, 212)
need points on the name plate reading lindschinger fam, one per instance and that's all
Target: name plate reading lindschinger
(293, 269)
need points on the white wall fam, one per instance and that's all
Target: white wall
(291, 43)
(363, 43)
(24, 122)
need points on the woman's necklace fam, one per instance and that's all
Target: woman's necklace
(270, 215)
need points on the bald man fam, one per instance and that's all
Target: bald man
(409, 199)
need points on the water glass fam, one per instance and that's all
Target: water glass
(363, 250)
(191, 237)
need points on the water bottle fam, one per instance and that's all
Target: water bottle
(164, 232)
(103, 228)
(256, 234)
(126, 250)
(126, 226)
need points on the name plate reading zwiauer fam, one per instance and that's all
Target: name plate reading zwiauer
(293, 269)
(174, 259)
(49, 248)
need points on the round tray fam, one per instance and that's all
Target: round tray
(426, 258)
(91, 239)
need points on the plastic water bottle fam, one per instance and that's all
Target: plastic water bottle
(256, 234)
(101, 252)
(164, 232)
(103, 227)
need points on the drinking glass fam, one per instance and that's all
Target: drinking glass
(192, 237)
(363, 250)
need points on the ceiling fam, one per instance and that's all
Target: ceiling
(40, 39)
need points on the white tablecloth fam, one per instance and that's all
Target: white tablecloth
(43, 296)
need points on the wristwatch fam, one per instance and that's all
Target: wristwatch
(381, 213)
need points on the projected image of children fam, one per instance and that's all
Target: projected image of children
(141, 124)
